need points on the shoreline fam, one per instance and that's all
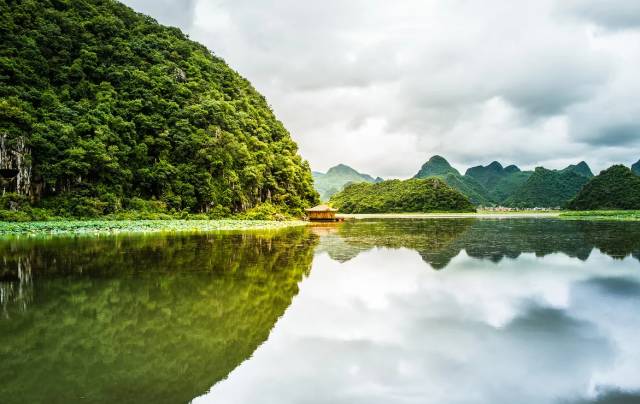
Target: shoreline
(470, 215)
(96, 227)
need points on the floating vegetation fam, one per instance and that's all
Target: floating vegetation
(614, 215)
(95, 227)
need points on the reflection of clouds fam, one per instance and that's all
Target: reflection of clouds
(381, 329)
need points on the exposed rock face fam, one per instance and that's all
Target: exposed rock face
(15, 165)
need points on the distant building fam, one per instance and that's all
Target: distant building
(322, 213)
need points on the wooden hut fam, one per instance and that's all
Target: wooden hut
(323, 213)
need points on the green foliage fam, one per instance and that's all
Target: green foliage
(336, 178)
(117, 108)
(498, 182)
(547, 189)
(603, 215)
(439, 167)
(266, 211)
(496, 185)
(436, 166)
(581, 168)
(469, 187)
(115, 225)
(415, 195)
(614, 188)
(488, 176)
(508, 185)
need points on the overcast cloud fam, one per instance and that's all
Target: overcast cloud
(383, 85)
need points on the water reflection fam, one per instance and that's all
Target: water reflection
(555, 323)
(438, 241)
(139, 319)
(527, 311)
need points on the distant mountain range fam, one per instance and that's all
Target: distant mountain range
(509, 186)
(490, 185)
(336, 178)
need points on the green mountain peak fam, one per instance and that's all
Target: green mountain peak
(435, 166)
(336, 178)
(512, 169)
(614, 188)
(582, 168)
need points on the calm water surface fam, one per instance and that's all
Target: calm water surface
(376, 311)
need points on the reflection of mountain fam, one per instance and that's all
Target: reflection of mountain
(143, 319)
(431, 238)
(438, 241)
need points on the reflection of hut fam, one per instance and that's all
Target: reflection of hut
(323, 213)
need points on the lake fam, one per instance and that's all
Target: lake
(368, 311)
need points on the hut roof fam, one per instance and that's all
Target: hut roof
(321, 208)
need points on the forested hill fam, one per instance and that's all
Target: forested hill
(614, 188)
(103, 109)
(334, 180)
(547, 188)
(494, 184)
(636, 167)
(414, 195)
(439, 167)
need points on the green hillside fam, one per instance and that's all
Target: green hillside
(436, 165)
(614, 188)
(439, 167)
(490, 175)
(636, 167)
(547, 189)
(336, 178)
(582, 168)
(468, 187)
(103, 109)
(415, 195)
(508, 185)
(499, 183)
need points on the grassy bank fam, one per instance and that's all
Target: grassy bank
(96, 227)
(444, 215)
(613, 215)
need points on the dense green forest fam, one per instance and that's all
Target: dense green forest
(509, 186)
(334, 180)
(615, 188)
(547, 188)
(103, 109)
(499, 182)
(489, 176)
(582, 168)
(415, 195)
(495, 185)
(439, 167)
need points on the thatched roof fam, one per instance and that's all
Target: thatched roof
(321, 208)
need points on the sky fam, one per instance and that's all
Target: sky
(382, 85)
